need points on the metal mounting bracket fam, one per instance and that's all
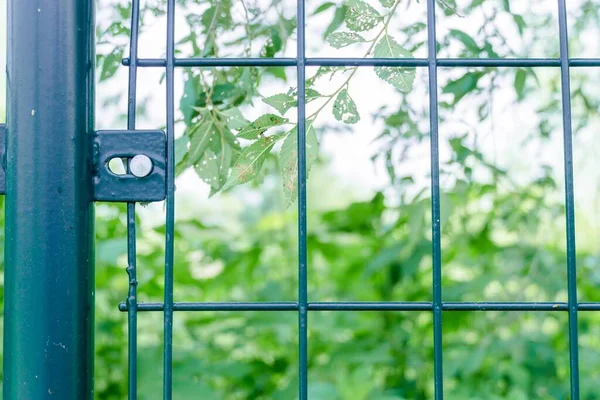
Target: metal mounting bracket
(145, 178)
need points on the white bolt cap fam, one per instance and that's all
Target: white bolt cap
(140, 166)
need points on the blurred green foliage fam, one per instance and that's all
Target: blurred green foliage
(356, 253)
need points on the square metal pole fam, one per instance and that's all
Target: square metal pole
(49, 280)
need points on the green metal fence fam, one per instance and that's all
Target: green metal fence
(49, 269)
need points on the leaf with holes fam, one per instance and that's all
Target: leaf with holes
(112, 61)
(343, 39)
(309, 95)
(213, 168)
(281, 102)
(344, 108)
(249, 163)
(361, 16)
(200, 135)
(273, 44)
(288, 161)
(402, 78)
(226, 150)
(234, 118)
(258, 127)
(208, 169)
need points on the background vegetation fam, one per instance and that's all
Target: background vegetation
(369, 234)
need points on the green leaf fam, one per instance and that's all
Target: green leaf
(463, 85)
(234, 118)
(189, 98)
(448, 6)
(311, 94)
(520, 22)
(223, 159)
(222, 18)
(277, 72)
(111, 63)
(323, 7)
(255, 129)
(467, 40)
(344, 108)
(281, 102)
(343, 39)
(387, 3)
(226, 150)
(361, 16)
(223, 92)
(520, 80)
(194, 98)
(337, 21)
(475, 3)
(489, 49)
(273, 44)
(288, 161)
(320, 72)
(181, 148)
(251, 160)
(208, 169)
(124, 11)
(401, 78)
(224, 137)
(200, 136)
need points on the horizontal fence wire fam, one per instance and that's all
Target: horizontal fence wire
(365, 306)
(365, 62)
(302, 306)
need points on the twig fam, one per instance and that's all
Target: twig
(355, 69)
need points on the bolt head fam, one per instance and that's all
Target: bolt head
(140, 166)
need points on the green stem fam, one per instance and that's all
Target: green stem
(370, 49)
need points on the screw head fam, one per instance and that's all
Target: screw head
(140, 166)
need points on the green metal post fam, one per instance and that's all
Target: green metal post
(49, 281)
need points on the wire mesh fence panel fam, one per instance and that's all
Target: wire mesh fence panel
(393, 65)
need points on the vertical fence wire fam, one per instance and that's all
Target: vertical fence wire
(569, 199)
(435, 202)
(131, 237)
(302, 223)
(170, 211)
